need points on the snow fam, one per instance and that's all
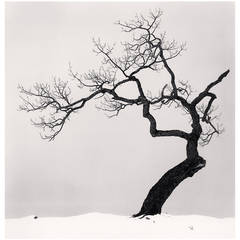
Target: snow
(99, 225)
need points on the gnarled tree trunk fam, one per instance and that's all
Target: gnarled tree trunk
(160, 192)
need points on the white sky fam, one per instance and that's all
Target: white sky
(109, 165)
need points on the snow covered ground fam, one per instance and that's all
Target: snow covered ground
(98, 225)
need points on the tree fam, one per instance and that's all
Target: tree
(147, 50)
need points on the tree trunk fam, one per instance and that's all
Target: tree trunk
(160, 192)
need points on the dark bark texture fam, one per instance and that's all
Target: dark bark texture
(160, 192)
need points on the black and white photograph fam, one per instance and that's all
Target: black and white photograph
(119, 119)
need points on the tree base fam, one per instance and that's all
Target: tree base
(160, 192)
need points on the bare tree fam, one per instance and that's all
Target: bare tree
(148, 49)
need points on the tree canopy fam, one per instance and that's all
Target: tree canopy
(147, 49)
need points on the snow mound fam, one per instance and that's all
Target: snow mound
(99, 225)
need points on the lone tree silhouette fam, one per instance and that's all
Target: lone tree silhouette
(148, 50)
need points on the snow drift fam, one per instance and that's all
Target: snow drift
(98, 225)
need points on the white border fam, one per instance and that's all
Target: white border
(2, 119)
(237, 120)
(2, 106)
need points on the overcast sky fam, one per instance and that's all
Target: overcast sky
(109, 165)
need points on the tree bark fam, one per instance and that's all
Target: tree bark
(160, 192)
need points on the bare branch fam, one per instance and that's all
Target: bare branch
(56, 102)
(205, 93)
(210, 118)
(143, 51)
(112, 106)
(153, 125)
(106, 51)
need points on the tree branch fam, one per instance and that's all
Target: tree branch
(153, 125)
(205, 93)
(43, 98)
